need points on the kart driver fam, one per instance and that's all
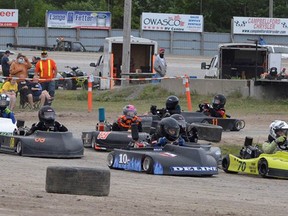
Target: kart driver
(5, 112)
(47, 122)
(125, 121)
(171, 107)
(277, 136)
(168, 131)
(217, 108)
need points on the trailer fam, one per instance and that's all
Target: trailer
(142, 53)
(241, 61)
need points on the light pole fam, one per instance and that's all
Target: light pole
(271, 8)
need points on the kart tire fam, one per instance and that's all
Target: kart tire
(78, 181)
(19, 148)
(93, 141)
(238, 125)
(226, 164)
(263, 167)
(148, 165)
(86, 136)
(110, 160)
(67, 84)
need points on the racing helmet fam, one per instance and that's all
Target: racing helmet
(169, 128)
(47, 115)
(218, 101)
(172, 102)
(273, 71)
(4, 101)
(277, 126)
(129, 111)
(180, 119)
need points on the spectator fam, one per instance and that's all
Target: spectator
(35, 60)
(46, 69)
(19, 68)
(5, 112)
(23, 90)
(10, 88)
(277, 136)
(5, 62)
(160, 65)
(47, 122)
(36, 93)
(125, 121)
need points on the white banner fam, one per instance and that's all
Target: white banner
(172, 22)
(260, 26)
(8, 18)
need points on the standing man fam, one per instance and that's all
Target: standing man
(5, 62)
(160, 65)
(46, 69)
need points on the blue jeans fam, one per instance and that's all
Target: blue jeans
(156, 75)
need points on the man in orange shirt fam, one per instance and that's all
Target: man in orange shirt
(46, 69)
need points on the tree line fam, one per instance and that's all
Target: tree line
(217, 13)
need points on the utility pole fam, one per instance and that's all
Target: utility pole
(126, 42)
(271, 8)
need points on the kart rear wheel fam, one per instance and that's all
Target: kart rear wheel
(67, 85)
(263, 167)
(147, 165)
(238, 125)
(19, 148)
(110, 160)
(93, 140)
(226, 164)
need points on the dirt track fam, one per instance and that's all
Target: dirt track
(22, 190)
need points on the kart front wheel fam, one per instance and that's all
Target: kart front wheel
(226, 164)
(110, 160)
(263, 167)
(19, 148)
(238, 125)
(147, 165)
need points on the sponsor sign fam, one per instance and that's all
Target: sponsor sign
(172, 22)
(260, 26)
(79, 19)
(8, 18)
(196, 169)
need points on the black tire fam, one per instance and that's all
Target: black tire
(263, 167)
(147, 165)
(78, 180)
(74, 84)
(93, 141)
(19, 148)
(67, 84)
(110, 159)
(226, 164)
(238, 125)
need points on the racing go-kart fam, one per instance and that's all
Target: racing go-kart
(39, 144)
(253, 161)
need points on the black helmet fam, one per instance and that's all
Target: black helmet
(180, 119)
(172, 102)
(273, 71)
(169, 128)
(4, 101)
(47, 115)
(218, 101)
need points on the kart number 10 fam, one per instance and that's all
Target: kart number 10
(123, 159)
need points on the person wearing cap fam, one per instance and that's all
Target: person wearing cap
(19, 68)
(46, 69)
(5, 62)
(160, 65)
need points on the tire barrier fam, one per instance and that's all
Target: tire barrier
(78, 181)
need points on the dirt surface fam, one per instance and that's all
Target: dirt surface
(22, 190)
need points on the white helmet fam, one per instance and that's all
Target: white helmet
(276, 126)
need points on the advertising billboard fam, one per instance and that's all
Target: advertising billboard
(260, 26)
(8, 18)
(79, 19)
(172, 22)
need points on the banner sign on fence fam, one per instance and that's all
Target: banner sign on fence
(172, 22)
(8, 18)
(79, 19)
(260, 26)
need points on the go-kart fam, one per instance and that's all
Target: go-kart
(252, 161)
(73, 78)
(167, 160)
(39, 144)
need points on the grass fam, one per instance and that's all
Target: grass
(146, 95)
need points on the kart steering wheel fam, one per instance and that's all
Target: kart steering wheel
(283, 146)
